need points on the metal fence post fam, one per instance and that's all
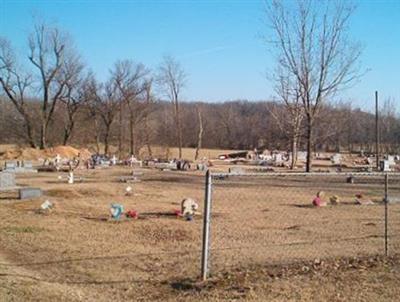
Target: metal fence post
(386, 212)
(206, 227)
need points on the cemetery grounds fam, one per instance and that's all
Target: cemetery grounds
(75, 253)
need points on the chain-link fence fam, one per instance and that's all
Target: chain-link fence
(260, 218)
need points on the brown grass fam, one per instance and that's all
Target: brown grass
(65, 256)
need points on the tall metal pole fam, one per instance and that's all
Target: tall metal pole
(386, 212)
(206, 227)
(377, 129)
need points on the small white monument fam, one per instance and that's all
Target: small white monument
(384, 166)
(71, 177)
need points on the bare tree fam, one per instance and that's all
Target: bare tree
(16, 84)
(289, 117)
(130, 80)
(312, 45)
(172, 78)
(388, 125)
(200, 135)
(73, 92)
(91, 92)
(107, 107)
(150, 109)
(47, 53)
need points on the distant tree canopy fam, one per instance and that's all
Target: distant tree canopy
(49, 97)
(228, 125)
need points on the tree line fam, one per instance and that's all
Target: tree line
(240, 125)
(50, 97)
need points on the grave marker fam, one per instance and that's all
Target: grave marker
(29, 193)
(7, 181)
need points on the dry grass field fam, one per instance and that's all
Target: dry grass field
(267, 244)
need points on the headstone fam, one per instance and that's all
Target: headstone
(71, 178)
(57, 159)
(336, 159)
(394, 199)
(301, 155)
(7, 181)
(201, 167)
(384, 166)
(266, 157)
(390, 159)
(19, 167)
(237, 170)
(28, 165)
(105, 163)
(278, 158)
(10, 166)
(166, 166)
(29, 193)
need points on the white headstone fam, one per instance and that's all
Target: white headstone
(237, 170)
(71, 178)
(385, 167)
(301, 155)
(391, 160)
(336, 159)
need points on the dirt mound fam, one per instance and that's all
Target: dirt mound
(20, 153)
(67, 152)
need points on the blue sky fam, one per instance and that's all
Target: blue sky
(217, 42)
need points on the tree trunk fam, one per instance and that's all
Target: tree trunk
(294, 152)
(309, 144)
(66, 136)
(149, 150)
(120, 131)
(97, 134)
(43, 135)
(148, 140)
(200, 137)
(30, 133)
(106, 137)
(132, 136)
(68, 132)
(178, 128)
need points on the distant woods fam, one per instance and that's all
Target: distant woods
(228, 125)
(50, 97)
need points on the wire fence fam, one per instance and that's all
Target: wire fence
(270, 217)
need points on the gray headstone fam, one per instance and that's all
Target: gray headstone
(28, 165)
(394, 199)
(29, 193)
(7, 180)
(9, 165)
(237, 170)
(166, 166)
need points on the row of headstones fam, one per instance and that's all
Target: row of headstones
(18, 166)
(7, 182)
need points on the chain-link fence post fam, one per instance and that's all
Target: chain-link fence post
(206, 227)
(386, 212)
